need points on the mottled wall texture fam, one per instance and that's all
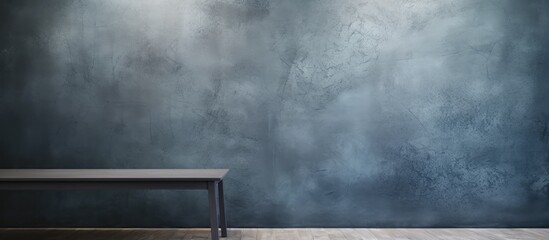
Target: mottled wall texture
(392, 113)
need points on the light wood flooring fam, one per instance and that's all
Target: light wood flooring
(278, 234)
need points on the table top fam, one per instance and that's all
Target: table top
(112, 174)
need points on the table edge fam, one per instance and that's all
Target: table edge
(109, 179)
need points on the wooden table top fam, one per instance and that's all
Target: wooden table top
(112, 174)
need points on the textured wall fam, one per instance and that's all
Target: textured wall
(329, 113)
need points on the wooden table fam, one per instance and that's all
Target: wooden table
(207, 179)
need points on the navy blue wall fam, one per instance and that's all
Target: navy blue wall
(328, 113)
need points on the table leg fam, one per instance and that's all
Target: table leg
(222, 210)
(214, 209)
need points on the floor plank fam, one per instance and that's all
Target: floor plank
(234, 234)
(319, 234)
(197, 234)
(265, 234)
(305, 234)
(279, 234)
(388, 234)
(350, 234)
(542, 232)
(416, 234)
(334, 234)
(511, 234)
(364, 233)
(442, 234)
(249, 234)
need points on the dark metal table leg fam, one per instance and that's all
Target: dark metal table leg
(222, 210)
(213, 197)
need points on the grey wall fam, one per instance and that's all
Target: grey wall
(328, 113)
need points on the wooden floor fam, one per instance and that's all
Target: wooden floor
(278, 234)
